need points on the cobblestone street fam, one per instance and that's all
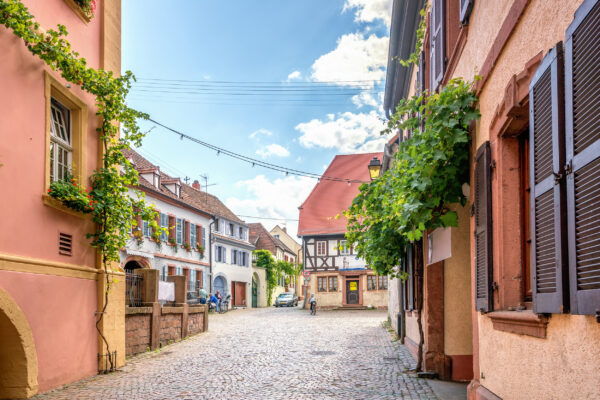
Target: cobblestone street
(268, 354)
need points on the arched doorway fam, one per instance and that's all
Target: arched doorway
(132, 265)
(255, 290)
(18, 359)
(221, 285)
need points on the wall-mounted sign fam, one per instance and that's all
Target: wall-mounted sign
(353, 285)
(439, 245)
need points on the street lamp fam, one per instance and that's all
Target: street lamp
(374, 168)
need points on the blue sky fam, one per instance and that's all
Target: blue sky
(199, 64)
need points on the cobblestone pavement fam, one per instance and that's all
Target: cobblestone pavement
(268, 354)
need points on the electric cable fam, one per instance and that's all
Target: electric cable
(256, 162)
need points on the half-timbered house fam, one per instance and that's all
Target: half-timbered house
(338, 278)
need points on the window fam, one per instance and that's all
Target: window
(371, 282)
(146, 229)
(383, 282)
(321, 248)
(216, 225)
(241, 232)
(199, 280)
(178, 273)
(193, 238)
(179, 230)
(203, 240)
(344, 249)
(321, 284)
(231, 230)
(234, 257)
(164, 223)
(276, 236)
(61, 149)
(333, 281)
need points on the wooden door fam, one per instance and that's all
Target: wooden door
(239, 296)
(352, 294)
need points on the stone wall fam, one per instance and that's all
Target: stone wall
(173, 323)
(137, 330)
(170, 328)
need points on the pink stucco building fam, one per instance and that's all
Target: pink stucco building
(49, 277)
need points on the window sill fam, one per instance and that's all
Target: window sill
(77, 10)
(520, 322)
(57, 204)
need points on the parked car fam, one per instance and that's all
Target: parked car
(286, 300)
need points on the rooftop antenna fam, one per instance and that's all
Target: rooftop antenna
(206, 185)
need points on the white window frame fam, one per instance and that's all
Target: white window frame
(61, 141)
(193, 238)
(317, 245)
(146, 229)
(179, 230)
(164, 223)
(344, 249)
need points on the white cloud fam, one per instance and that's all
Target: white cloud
(294, 75)
(347, 132)
(356, 58)
(367, 99)
(273, 150)
(278, 198)
(299, 158)
(260, 132)
(370, 10)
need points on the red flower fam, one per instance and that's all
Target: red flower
(49, 190)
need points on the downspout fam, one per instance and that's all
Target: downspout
(210, 264)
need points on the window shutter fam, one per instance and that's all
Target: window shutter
(437, 43)
(186, 232)
(546, 135)
(582, 49)
(172, 227)
(483, 230)
(465, 10)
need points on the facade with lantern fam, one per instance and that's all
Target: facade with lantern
(338, 278)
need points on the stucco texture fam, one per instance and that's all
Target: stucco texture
(60, 312)
(457, 290)
(527, 40)
(564, 365)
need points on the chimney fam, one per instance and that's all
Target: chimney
(196, 185)
(285, 229)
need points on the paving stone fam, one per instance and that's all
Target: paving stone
(268, 354)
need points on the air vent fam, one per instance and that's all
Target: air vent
(65, 244)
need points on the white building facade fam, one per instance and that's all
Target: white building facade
(232, 260)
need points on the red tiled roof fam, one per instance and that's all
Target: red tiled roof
(197, 199)
(330, 198)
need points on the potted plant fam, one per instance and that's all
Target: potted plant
(72, 195)
(88, 7)
(173, 244)
(187, 246)
(200, 248)
(138, 236)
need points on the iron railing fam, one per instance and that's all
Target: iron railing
(107, 362)
(133, 289)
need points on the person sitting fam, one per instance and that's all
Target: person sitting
(215, 300)
(202, 300)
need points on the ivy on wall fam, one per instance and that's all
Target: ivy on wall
(112, 209)
(428, 172)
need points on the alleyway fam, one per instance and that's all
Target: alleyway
(268, 354)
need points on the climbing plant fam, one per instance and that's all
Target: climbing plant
(427, 176)
(112, 209)
(264, 259)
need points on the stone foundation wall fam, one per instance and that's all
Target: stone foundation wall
(137, 333)
(172, 324)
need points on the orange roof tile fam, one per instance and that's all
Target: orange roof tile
(330, 198)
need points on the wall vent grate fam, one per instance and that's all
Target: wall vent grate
(65, 244)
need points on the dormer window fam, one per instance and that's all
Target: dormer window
(174, 185)
(156, 180)
(231, 230)
(216, 228)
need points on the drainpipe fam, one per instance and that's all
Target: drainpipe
(210, 270)
(401, 315)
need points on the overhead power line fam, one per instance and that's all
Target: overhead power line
(256, 162)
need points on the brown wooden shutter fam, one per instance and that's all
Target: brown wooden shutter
(582, 63)
(547, 206)
(465, 10)
(483, 230)
(172, 228)
(437, 35)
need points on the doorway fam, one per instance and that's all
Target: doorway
(254, 292)
(352, 291)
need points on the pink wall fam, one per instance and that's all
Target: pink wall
(60, 312)
(22, 139)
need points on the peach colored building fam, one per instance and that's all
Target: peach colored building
(49, 276)
(534, 198)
